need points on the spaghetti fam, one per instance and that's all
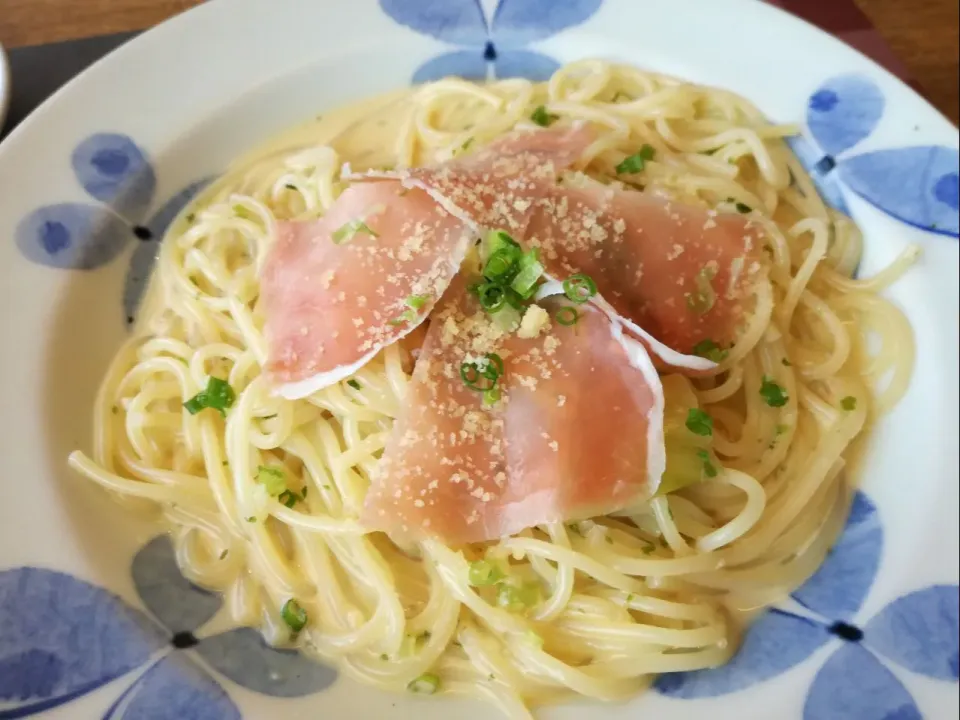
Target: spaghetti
(662, 587)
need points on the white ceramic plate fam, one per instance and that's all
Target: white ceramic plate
(94, 619)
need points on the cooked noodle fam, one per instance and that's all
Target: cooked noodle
(657, 588)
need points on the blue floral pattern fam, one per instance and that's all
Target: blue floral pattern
(918, 631)
(61, 638)
(918, 185)
(495, 47)
(113, 170)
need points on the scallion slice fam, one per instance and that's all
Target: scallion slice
(567, 316)
(484, 572)
(272, 479)
(699, 423)
(579, 288)
(218, 395)
(347, 231)
(636, 162)
(426, 684)
(293, 615)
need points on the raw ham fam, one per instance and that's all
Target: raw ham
(337, 290)
(679, 273)
(576, 433)
(496, 185)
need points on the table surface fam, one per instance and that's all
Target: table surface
(924, 34)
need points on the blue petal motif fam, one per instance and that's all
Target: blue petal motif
(175, 688)
(518, 22)
(825, 181)
(843, 111)
(837, 590)
(112, 169)
(853, 685)
(61, 638)
(920, 631)
(179, 605)
(524, 64)
(144, 257)
(919, 185)
(245, 658)
(773, 644)
(468, 64)
(460, 22)
(71, 236)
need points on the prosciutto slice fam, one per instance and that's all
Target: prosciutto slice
(337, 290)
(577, 430)
(679, 273)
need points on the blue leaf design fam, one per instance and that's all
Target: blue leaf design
(920, 631)
(61, 637)
(112, 169)
(71, 236)
(175, 688)
(468, 64)
(245, 658)
(774, 643)
(524, 64)
(918, 185)
(142, 261)
(843, 111)
(178, 604)
(853, 685)
(460, 22)
(824, 179)
(519, 22)
(837, 590)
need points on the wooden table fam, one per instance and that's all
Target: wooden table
(923, 33)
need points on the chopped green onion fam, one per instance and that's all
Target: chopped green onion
(466, 144)
(492, 297)
(710, 350)
(491, 396)
(786, 363)
(579, 288)
(288, 498)
(416, 302)
(426, 684)
(699, 423)
(354, 384)
(303, 493)
(293, 615)
(849, 403)
(251, 519)
(636, 162)
(543, 118)
(473, 372)
(501, 265)
(743, 209)
(218, 395)
(288, 186)
(272, 479)
(772, 393)
(346, 231)
(223, 554)
(531, 269)
(708, 467)
(515, 598)
(567, 316)
(484, 572)
(499, 240)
